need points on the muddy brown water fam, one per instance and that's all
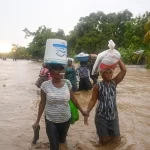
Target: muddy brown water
(19, 99)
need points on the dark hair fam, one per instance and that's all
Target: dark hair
(83, 63)
(56, 66)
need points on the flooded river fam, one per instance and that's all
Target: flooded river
(19, 99)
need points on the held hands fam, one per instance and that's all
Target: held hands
(86, 115)
(86, 120)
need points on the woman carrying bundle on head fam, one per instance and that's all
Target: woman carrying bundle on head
(106, 116)
(55, 96)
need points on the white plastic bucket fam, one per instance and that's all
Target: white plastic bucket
(56, 51)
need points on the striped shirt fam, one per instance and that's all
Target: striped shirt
(83, 72)
(107, 100)
(57, 108)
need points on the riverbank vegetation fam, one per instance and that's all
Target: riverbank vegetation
(91, 35)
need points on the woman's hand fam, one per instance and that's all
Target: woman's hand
(86, 117)
(84, 113)
(86, 120)
(35, 125)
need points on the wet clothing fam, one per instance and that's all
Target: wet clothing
(57, 108)
(71, 76)
(56, 133)
(107, 127)
(57, 112)
(84, 83)
(107, 100)
(106, 118)
(83, 72)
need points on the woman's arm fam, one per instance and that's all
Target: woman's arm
(121, 74)
(74, 100)
(93, 98)
(91, 103)
(41, 109)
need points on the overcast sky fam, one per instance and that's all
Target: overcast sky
(15, 15)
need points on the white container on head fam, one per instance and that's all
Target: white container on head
(56, 51)
(107, 59)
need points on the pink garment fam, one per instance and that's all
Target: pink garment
(45, 71)
(106, 67)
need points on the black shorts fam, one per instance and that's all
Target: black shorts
(106, 127)
(85, 84)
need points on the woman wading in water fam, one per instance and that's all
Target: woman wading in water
(55, 95)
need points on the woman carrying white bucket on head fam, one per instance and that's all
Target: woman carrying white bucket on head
(55, 96)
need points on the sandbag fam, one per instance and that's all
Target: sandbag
(107, 59)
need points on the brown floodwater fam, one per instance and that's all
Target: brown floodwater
(19, 98)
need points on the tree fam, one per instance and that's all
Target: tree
(19, 52)
(37, 47)
(147, 30)
(92, 33)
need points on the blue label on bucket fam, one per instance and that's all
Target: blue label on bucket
(61, 50)
(60, 45)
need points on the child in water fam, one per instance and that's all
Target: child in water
(106, 116)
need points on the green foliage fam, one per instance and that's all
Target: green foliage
(91, 35)
(37, 46)
(148, 66)
(18, 52)
(147, 30)
(93, 32)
